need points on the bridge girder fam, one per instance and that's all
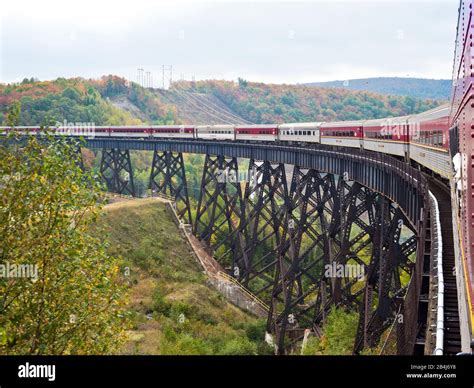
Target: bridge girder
(263, 221)
(283, 241)
(219, 208)
(168, 177)
(116, 170)
(338, 221)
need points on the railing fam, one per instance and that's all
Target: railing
(116, 195)
(247, 292)
(163, 196)
(438, 260)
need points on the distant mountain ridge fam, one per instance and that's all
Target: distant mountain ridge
(439, 89)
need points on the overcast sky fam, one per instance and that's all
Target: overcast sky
(268, 41)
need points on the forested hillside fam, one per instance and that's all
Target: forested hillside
(413, 87)
(80, 100)
(266, 103)
(111, 100)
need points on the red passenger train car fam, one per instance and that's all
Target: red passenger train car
(429, 140)
(388, 135)
(461, 143)
(342, 133)
(261, 132)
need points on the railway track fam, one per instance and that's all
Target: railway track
(452, 334)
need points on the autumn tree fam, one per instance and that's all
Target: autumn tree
(73, 305)
(13, 114)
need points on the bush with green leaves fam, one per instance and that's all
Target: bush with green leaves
(75, 303)
(338, 337)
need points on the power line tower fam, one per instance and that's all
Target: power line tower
(148, 80)
(140, 76)
(167, 75)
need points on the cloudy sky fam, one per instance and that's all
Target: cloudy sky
(268, 41)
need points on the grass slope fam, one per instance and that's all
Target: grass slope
(173, 310)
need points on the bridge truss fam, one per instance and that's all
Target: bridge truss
(306, 230)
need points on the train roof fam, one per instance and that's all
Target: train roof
(342, 124)
(432, 114)
(242, 126)
(172, 126)
(215, 126)
(386, 121)
(300, 125)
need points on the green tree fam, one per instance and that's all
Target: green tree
(13, 114)
(72, 94)
(242, 83)
(338, 337)
(73, 305)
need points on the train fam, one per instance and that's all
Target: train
(422, 138)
